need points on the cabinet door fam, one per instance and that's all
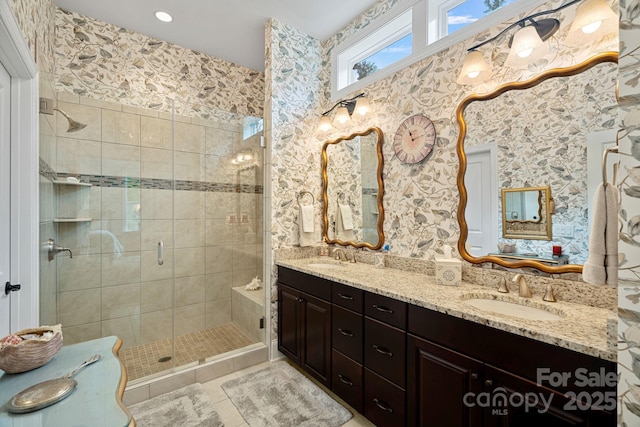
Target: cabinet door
(289, 331)
(438, 379)
(316, 338)
(544, 407)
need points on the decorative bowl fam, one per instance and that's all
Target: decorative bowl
(30, 348)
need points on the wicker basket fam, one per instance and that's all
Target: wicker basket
(31, 353)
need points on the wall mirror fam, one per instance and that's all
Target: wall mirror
(352, 190)
(533, 134)
(526, 213)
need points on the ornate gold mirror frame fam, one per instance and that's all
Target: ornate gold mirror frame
(539, 229)
(380, 191)
(464, 231)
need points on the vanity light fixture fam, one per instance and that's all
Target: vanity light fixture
(528, 44)
(592, 16)
(359, 105)
(163, 16)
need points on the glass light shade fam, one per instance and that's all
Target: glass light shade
(342, 116)
(593, 15)
(362, 106)
(325, 124)
(527, 46)
(475, 69)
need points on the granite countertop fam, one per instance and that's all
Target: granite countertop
(583, 328)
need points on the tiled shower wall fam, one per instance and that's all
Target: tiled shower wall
(114, 284)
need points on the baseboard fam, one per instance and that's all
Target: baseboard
(275, 354)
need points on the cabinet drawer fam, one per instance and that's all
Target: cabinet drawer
(312, 285)
(348, 297)
(385, 350)
(386, 309)
(347, 336)
(347, 380)
(384, 402)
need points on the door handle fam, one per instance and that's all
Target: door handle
(8, 288)
(160, 252)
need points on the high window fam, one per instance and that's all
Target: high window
(413, 31)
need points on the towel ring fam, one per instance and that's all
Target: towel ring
(302, 193)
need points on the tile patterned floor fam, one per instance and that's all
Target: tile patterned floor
(230, 416)
(144, 360)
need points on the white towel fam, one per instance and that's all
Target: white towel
(602, 264)
(306, 238)
(347, 217)
(306, 217)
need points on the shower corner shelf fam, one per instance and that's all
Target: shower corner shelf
(63, 182)
(72, 219)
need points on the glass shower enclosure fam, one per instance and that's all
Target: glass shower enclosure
(162, 216)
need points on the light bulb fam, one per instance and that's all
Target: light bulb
(591, 28)
(525, 52)
(473, 74)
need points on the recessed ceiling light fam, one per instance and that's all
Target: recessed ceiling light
(164, 16)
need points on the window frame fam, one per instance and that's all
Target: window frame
(423, 46)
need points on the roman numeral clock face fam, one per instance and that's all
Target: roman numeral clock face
(414, 139)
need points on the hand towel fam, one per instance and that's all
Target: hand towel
(601, 266)
(306, 238)
(306, 216)
(347, 217)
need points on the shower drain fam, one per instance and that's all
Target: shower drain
(164, 359)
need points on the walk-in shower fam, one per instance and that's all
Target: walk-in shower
(136, 185)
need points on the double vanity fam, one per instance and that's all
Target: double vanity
(404, 351)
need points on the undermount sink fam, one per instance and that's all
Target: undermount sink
(323, 265)
(512, 309)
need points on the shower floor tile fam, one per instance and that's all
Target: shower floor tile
(144, 360)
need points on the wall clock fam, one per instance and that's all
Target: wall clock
(414, 139)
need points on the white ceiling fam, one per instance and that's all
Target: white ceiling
(232, 30)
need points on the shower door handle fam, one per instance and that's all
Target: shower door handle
(160, 252)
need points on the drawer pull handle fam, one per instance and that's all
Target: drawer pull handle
(300, 299)
(488, 383)
(382, 405)
(383, 350)
(345, 332)
(383, 309)
(347, 297)
(345, 380)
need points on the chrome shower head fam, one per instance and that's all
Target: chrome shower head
(74, 125)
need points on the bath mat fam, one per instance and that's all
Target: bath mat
(189, 406)
(281, 396)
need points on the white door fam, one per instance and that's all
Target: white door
(481, 212)
(5, 198)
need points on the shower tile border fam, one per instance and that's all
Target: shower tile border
(110, 181)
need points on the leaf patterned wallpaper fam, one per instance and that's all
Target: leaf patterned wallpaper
(110, 63)
(35, 19)
(629, 217)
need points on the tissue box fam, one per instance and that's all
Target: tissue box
(448, 271)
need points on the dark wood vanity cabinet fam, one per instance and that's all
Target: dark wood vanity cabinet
(385, 325)
(400, 364)
(452, 378)
(304, 323)
(347, 343)
(437, 380)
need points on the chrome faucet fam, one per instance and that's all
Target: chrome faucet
(523, 287)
